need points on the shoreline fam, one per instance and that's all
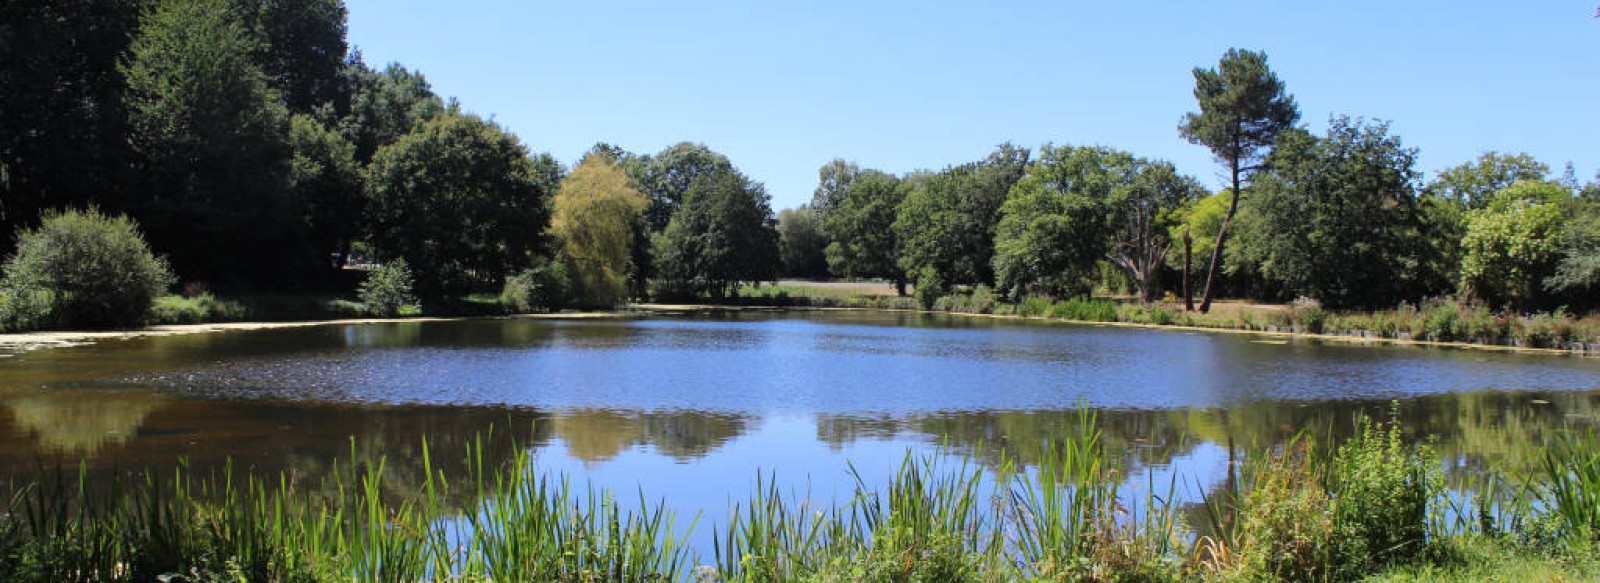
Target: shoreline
(13, 343)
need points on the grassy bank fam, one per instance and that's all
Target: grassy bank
(1372, 507)
(1438, 320)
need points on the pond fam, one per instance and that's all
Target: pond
(689, 408)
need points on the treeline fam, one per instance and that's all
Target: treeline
(1343, 217)
(256, 151)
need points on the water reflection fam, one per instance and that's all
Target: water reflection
(685, 403)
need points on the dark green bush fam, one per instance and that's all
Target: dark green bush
(387, 289)
(82, 269)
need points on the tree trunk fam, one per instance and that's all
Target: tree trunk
(1222, 236)
(1188, 249)
(900, 285)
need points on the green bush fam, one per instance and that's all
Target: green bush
(1285, 522)
(1308, 313)
(542, 287)
(1085, 309)
(195, 310)
(387, 289)
(1033, 306)
(983, 299)
(1381, 488)
(930, 287)
(91, 270)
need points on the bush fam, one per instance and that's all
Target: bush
(82, 269)
(930, 287)
(387, 289)
(1308, 313)
(1285, 521)
(1033, 306)
(1085, 309)
(543, 287)
(195, 310)
(1381, 489)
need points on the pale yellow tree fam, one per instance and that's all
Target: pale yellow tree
(594, 215)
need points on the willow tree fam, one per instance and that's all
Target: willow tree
(1243, 108)
(595, 212)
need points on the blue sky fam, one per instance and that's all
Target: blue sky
(783, 87)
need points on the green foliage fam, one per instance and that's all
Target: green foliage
(947, 220)
(1475, 183)
(1512, 244)
(1084, 310)
(211, 136)
(62, 136)
(95, 270)
(860, 227)
(1336, 217)
(929, 288)
(667, 178)
(1243, 108)
(595, 211)
(385, 106)
(326, 182)
(720, 237)
(304, 49)
(1382, 488)
(460, 201)
(195, 309)
(1572, 475)
(542, 287)
(1308, 314)
(1286, 528)
(387, 289)
(801, 245)
(1152, 208)
(1056, 224)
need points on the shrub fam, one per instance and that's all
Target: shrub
(1308, 313)
(1085, 309)
(544, 286)
(1285, 521)
(1381, 488)
(85, 270)
(983, 299)
(1033, 306)
(387, 289)
(930, 287)
(194, 310)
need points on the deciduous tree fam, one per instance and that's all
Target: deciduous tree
(595, 211)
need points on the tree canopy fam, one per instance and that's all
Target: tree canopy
(459, 200)
(1243, 108)
(594, 216)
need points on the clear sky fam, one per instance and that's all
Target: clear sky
(782, 87)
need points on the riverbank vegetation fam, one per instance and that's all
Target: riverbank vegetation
(1369, 507)
(273, 170)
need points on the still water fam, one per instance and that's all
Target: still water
(691, 408)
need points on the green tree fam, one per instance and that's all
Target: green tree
(947, 222)
(326, 182)
(801, 245)
(1513, 244)
(667, 177)
(1475, 183)
(459, 200)
(1151, 209)
(1577, 274)
(304, 48)
(212, 139)
(1338, 218)
(96, 270)
(833, 182)
(384, 105)
(1056, 225)
(1243, 108)
(62, 124)
(595, 211)
(861, 229)
(720, 237)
